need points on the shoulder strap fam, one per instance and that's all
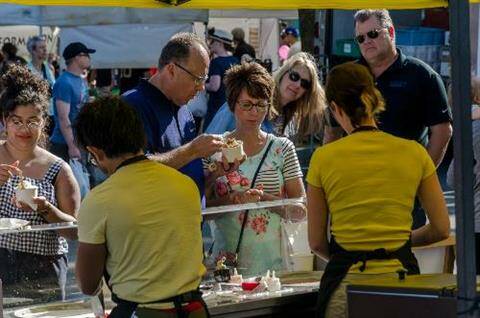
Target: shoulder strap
(252, 185)
(53, 171)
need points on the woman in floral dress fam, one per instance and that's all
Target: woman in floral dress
(249, 90)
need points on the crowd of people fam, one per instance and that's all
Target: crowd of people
(387, 124)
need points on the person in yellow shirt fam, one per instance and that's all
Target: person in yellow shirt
(141, 226)
(366, 183)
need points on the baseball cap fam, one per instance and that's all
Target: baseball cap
(220, 35)
(75, 48)
(291, 31)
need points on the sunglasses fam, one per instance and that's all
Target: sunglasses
(295, 77)
(372, 34)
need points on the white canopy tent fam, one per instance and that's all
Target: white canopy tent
(123, 45)
(127, 37)
(64, 16)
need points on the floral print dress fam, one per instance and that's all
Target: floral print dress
(261, 244)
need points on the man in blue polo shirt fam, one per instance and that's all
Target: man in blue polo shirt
(416, 100)
(169, 126)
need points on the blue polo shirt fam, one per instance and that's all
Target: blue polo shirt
(166, 125)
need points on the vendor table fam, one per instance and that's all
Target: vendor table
(300, 302)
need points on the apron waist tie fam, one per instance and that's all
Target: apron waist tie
(341, 260)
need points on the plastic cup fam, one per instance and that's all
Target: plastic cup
(26, 196)
(233, 153)
(302, 262)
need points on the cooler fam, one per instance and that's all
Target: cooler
(431, 295)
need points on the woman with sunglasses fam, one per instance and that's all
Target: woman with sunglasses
(298, 102)
(366, 185)
(33, 264)
(271, 171)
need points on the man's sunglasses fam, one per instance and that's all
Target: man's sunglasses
(373, 34)
(295, 77)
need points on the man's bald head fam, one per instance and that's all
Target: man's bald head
(179, 48)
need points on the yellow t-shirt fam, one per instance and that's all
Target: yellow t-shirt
(370, 180)
(148, 215)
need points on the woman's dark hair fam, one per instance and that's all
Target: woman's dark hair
(20, 87)
(250, 76)
(111, 125)
(10, 49)
(351, 87)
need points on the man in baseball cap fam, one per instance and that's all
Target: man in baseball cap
(74, 49)
(288, 37)
(70, 92)
(291, 31)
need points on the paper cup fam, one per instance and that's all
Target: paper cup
(26, 196)
(233, 153)
(302, 262)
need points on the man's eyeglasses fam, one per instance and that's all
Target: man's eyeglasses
(30, 124)
(199, 80)
(247, 106)
(295, 77)
(372, 34)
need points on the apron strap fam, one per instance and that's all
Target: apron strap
(341, 260)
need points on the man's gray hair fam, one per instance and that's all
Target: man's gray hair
(178, 48)
(33, 41)
(382, 16)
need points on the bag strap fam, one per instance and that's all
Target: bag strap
(252, 185)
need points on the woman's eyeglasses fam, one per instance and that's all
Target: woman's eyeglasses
(30, 124)
(295, 77)
(373, 34)
(247, 106)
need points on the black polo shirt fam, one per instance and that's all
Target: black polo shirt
(415, 98)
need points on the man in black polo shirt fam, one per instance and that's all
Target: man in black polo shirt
(416, 100)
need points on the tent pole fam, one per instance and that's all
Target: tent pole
(460, 51)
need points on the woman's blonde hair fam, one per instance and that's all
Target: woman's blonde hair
(308, 111)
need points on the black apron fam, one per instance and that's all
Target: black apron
(341, 260)
(125, 308)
